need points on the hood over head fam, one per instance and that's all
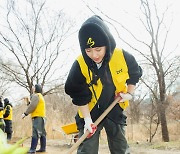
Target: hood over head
(38, 88)
(6, 102)
(95, 33)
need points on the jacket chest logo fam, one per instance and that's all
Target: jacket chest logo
(119, 71)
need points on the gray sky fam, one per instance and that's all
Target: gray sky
(125, 11)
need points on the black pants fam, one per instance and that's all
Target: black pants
(8, 128)
(115, 136)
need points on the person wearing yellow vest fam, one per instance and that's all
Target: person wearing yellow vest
(8, 113)
(100, 74)
(2, 124)
(37, 110)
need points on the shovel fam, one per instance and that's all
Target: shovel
(84, 136)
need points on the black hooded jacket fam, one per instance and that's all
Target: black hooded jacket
(76, 85)
(7, 111)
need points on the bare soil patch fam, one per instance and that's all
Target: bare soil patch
(61, 147)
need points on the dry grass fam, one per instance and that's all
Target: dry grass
(61, 111)
(139, 132)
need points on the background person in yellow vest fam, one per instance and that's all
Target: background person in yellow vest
(8, 113)
(2, 124)
(100, 74)
(37, 109)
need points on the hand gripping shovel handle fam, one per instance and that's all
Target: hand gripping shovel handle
(84, 136)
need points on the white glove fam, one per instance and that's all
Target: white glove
(88, 124)
(125, 97)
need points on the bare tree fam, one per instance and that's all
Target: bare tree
(134, 110)
(151, 116)
(3, 84)
(164, 67)
(32, 40)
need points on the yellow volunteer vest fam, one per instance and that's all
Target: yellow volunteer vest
(119, 72)
(10, 114)
(1, 114)
(40, 110)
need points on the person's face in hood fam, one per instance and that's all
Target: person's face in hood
(96, 54)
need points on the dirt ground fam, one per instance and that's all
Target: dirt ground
(62, 147)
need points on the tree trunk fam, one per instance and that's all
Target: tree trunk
(162, 103)
(164, 129)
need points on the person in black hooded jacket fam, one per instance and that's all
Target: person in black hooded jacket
(8, 113)
(100, 74)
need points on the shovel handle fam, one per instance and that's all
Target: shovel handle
(84, 136)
